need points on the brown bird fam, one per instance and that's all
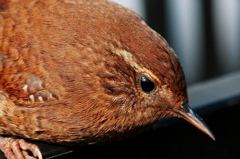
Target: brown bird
(83, 72)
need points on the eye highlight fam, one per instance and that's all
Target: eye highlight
(146, 84)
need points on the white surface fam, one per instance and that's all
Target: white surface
(215, 90)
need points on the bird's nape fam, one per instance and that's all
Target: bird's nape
(188, 114)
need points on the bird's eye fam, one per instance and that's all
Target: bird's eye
(146, 84)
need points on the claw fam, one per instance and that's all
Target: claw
(17, 148)
(33, 148)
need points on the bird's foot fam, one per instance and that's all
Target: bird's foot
(19, 149)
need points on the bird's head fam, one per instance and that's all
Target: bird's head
(148, 86)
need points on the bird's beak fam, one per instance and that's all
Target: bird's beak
(188, 114)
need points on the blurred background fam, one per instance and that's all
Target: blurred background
(205, 34)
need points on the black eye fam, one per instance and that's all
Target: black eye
(146, 84)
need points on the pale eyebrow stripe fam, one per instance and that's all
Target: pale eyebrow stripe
(128, 57)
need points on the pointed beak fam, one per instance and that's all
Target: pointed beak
(188, 114)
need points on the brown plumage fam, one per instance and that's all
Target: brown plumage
(84, 72)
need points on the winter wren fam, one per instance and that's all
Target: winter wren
(83, 72)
